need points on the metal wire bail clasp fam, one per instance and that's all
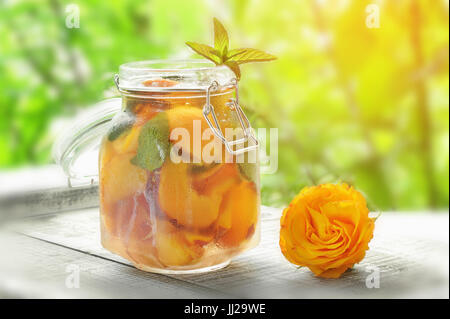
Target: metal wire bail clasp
(249, 137)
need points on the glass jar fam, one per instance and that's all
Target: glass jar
(178, 169)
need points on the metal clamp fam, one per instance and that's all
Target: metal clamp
(208, 109)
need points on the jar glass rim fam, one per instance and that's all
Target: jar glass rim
(189, 75)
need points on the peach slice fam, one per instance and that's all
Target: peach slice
(194, 201)
(241, 203)
(181, 202)
(225, 220)
(107, 152)
(217, 179)
(192, 121)
(171, 247)
(120, 179)
(144, 112)
(128, 141)
(197, 238)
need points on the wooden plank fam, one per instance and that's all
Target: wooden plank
(38, 269)
(411, 252)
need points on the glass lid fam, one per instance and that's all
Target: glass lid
(172, 75)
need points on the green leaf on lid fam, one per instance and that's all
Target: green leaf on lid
(221, 54)
(220, 38)
(247, 55)
(206, 51)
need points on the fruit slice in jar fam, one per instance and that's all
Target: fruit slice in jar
(130, 218)
(172, 248)
(141, 234)
(128, 141)
(239, 212)
(199, 239)
(187, 125)
(180, 200)
(145, 112)
(217, 179)
(150, 241)
(119, 179)
(106, 153)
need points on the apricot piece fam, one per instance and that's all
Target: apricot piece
(144, 112)
(172, 249)
(120, 179)
(193, 200)
(241, 203)
(128, 141)
(181, 202)
(107, 152)
(225, 220)
(217, 179)
(191, 121)
(197, 238)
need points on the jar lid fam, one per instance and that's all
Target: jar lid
(182, 75)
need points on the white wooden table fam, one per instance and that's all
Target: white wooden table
(410, 251)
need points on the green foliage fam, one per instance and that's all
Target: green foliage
(352, 103)
(221, 54)
(365, 106)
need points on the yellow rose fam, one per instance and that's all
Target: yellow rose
(327, 229)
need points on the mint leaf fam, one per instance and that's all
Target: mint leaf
(235, 52)
(153, 143)
(117, 129)
(206, 51)
(247, 55)
(234, 66)
(221, 54)
(249, 171)
(221, 40)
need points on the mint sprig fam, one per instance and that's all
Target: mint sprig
(220, 53)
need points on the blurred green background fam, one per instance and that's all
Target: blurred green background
(368, 106)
